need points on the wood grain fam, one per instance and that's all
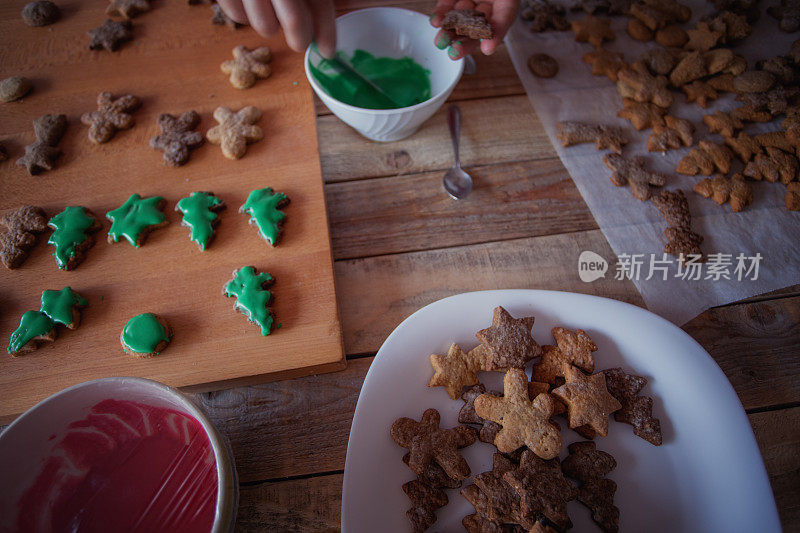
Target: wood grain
(497, 130)
(168, 275)
(404, 213)
(756, 345)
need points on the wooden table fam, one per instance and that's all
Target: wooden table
(400, 243)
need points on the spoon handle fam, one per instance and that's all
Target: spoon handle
(454, 122)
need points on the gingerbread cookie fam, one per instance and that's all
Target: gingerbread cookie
(590, 466)
(632, 172)
(773, 166)
(127, 9)
(702, 37)
(672, 36)
(792, 198)
(604, 62)
(145, 335)
(675, 133)
(425, 500)
(467, 23)
(22, 227)
(636, 410)
(658, 61)
(639, 84)
(707, 158)
(14, 88)
(35, 327)
(253, 299)
(639, 31)
(525, 422)
(744, 146)
(543, 16)
(200, 214)
(682, 242)
(435, 476)
(454, 371)
(494, 498)
(235, 130)
(592, 30)
(41, 155)
(722, 123)
(111, 35)
(691, 67)
(72, 236)
(40, 13)
(509, 341)
(177, 137)
(63, 307)
(264, 207)
(136, 218)
(542, 488)
(574, 347)
(700, 92)
(427, 442)
(787, 13)
(721, 189)
(112, 115)
(588, 401)
(571, 133)
(543, 65)
(642, 115)
(247, 66)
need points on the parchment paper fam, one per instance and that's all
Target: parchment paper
(635, 227)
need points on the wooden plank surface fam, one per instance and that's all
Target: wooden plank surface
(168, 275)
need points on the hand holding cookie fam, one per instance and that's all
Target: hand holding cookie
(467, 25)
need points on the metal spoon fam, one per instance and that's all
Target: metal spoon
(456, 182)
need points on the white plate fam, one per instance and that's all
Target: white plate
(708, 475)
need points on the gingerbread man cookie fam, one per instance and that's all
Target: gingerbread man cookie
(235, 130)
(247, 66)
(111, 116)
(177, 137)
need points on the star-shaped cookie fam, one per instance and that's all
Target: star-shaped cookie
(509, 341)
(525, 422)
(574, 347)
(588, 401)
(39, 156)
(455, 370)
(110, 35)
(127, 9)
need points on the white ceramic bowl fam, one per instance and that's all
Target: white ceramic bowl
(28, 440)
(391, 32)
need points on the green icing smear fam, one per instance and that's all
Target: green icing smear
(32, 324)
(262, 206)
(134, 216)
(252, 298)
(143, 333)
(59, 305)
(69, 230)
(199, 216)
(403, 80)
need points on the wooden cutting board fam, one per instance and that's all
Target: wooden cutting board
(173, 65)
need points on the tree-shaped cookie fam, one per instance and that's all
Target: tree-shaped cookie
(542, 488)
(427, 442)
(502, 501)
(34, 328)
(235, 130)
(252, 297)
(200, 214)
(72, 236)
(632, 172)
(111, 115)
(63, 307)
(574, 347)
(509, 341)
(456, 370)
(636, 410)
(588, 401)
(22, 227)
(41, 154)
(525, 422)
(425, 500)
(177, 137)
(733, 189)
(590, 466)
(264, 207)
(136, 218)
(247, 66)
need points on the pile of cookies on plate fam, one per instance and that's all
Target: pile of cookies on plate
(527, 488)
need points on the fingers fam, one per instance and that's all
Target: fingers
(501, 17)
(235, 10)
(324, 26)
(261, 16)
(461, 48)
(295, 19)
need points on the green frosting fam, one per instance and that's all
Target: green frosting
(252, 298)
(262, 206)
(199, 217)
(32, 324)
(143, 333)
(69, 230)
(135, 216)
(403, 80)
(59, 305)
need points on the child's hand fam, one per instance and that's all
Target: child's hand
(499, 13)
(303, 21)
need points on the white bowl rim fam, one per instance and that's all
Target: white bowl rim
(414, 107)
(217, 444)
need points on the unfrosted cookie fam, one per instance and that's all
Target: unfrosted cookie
(247, 66)
(235, 130)
(14, 88)
(177, 137)
(40, 13)
(22, 226)
(543, 65)
(467, 23)
(112, 115)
